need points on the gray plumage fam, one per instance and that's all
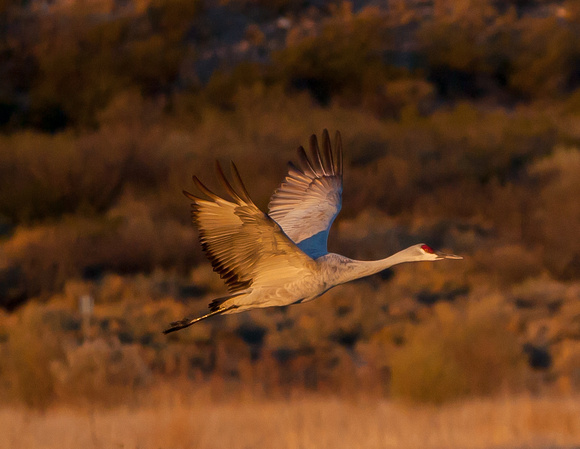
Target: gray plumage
(281, 258)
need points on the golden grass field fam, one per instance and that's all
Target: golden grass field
(307, 422)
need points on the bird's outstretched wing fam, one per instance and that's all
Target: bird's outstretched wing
(245, 246)
(310, 197)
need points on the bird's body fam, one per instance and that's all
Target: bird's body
(280, 258)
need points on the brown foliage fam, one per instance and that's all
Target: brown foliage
(344, 59)
(453, 148)
(557, 214)
(470, 353)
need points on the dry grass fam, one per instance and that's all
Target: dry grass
(308, 422)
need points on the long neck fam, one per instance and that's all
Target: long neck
(356, 269)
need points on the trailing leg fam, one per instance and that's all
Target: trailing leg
(186, 322)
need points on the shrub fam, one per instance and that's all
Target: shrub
(46, 256)
(458, 354)
(223, 85)
(473, 49)
(33, 348)
(465, 47)
(555, 215)
(84, 64)
(344, 59)
(545, 57)
(100, 372)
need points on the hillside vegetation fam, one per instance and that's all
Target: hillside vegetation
(461, 128)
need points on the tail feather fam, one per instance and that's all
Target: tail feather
(219, 303)
(216, 304)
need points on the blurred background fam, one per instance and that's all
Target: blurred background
(461, 128)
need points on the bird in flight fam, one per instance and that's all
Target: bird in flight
(280, 258)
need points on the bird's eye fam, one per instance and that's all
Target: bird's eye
(427, 249)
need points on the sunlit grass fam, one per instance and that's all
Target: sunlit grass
(308, 422)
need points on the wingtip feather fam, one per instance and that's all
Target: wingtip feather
(338, 149)
(315, 151)
(201, 186)
(240, 184)
(191, 196)
(227, 184)
(328, 159)
(305, 163)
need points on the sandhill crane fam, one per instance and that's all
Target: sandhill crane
(280, 258)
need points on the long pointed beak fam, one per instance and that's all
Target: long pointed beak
(441, 256)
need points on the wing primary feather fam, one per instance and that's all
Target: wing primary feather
(338, 149)
(239, 184)
(328, 159)
(191, 196)
(227, 184)
(240, 241)
(204, 189)
(292, 168)
(316, 153)
(304, 161)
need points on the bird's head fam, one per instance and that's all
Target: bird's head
(425, 252)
